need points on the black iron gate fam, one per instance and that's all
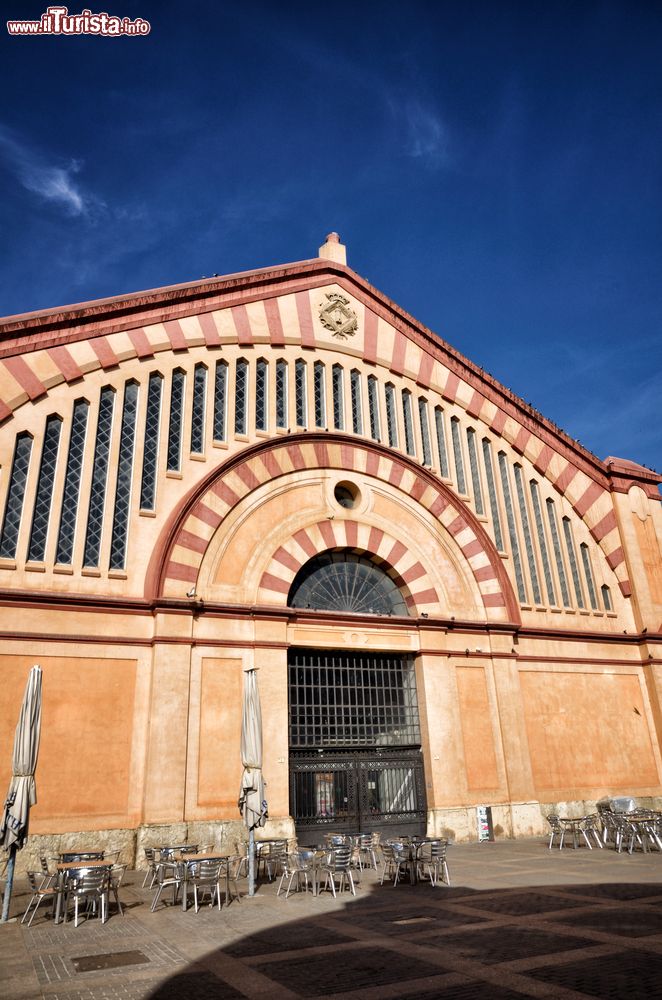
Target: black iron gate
(355, 759)
(357, 792)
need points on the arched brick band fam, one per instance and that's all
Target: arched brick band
(178, 559)
(409, 573)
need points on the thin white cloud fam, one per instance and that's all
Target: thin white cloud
(53, 182)
(424, 134)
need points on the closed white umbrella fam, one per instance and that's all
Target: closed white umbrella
(251, 796)
(22, 789)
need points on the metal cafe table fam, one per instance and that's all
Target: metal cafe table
(63, 868)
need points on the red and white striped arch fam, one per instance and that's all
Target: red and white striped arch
(205, 510)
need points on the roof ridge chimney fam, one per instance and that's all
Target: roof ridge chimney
(333, 249)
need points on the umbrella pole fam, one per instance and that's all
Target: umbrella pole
(251, 862)
(10, 882)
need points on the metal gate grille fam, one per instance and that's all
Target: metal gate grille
(340, 699)
(355, 760)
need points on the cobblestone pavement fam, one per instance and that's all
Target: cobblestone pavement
(518, 921)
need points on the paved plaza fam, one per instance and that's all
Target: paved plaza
(518, 921)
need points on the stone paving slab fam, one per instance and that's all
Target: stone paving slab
(518, 921)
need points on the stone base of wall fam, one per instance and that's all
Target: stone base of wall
(226, 835)
(514, 819)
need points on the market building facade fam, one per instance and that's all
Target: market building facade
(451, 603)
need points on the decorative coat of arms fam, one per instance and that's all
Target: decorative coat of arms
(337, 315)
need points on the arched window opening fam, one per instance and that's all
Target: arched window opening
(344, 581)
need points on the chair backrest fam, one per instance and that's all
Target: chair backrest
(117, 874)
(91, 880)
(389, 854)
(340, 858)
(209, 869)
(149, 854)
(36, 881)
(554, 823)
(365, 841)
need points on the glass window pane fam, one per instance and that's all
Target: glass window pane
(72, 480)
(42, 505)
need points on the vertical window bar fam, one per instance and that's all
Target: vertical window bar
(319, 375)
(151, 442)
(338, 398)
(425, 431)
(558, 555)
(118, 536)
(281, 393)
(241, 397)
(512, 527)
(99, 477)
(457, 455)
(44, 496)
(528, 540)
(572, 559)
(373, 409)
(301, 403)
(542, 542)
(261, 395)
(391, 416)
(198, 409)
(588, 573)
(441, 442)
(492, 494)
(410, 444)
(475, 472)
(177, 385)
(15, 496)
(357, 409)
(220, 401)
(72, 478)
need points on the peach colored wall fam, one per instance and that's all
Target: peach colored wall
(86, 737)
(219, 767)
(587, 732)
(477, 730)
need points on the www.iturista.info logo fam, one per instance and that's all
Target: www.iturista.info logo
(58, 21)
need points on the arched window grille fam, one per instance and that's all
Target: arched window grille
(526, 529)
(281, 393)
(118, 536)
(588, 573)
(475, 472)
(220, 401)
(338, 398)
(492, 495)
(457, 455)
(151, 442)
(357, 408)
(410, 444)
(440, 432)
(175, 426)
(558, 555)
(300, 393)
(99, 478)
(44, 496)
(391, 415)
(373, 408)
(572, 559)
(15, 496)
(241, 397)
(542, 541)
(198, 409)
(512, 527)
(71, 491)
(345, 581)
(319, 375)
(425, 431)
(261, 395)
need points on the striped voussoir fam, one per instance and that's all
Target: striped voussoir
(282, 457)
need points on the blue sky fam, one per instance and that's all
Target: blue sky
(493, 167)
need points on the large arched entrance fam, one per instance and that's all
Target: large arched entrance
(354, 730)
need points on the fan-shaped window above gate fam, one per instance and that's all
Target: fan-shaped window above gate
(344, 581)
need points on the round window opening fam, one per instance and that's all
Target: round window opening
(347, 495)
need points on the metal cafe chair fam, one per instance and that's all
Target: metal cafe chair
(206, 879)
(169, 876)
(556, 830)
(293, 869)
(152, 867)
(431, 861)
(91, 886)
(115, 881)
(42, 888)
(338, 866)
(393, 863)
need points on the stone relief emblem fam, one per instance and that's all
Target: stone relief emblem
(337, 315)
